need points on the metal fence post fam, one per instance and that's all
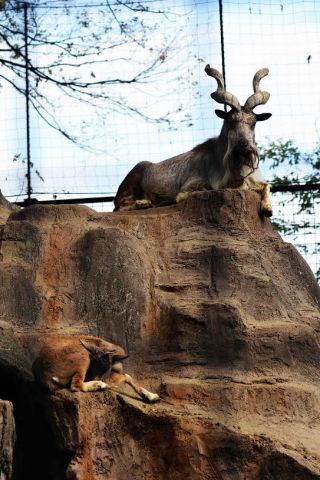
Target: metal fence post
(222, 47)
(27, 95)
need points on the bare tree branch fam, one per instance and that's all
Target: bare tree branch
(79, 63)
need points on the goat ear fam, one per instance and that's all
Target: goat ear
(262, 116)
(221, 114)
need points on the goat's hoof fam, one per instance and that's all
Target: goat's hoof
(266, 212)
(141, 204)
(182, 196)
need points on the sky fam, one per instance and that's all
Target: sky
(281, 35)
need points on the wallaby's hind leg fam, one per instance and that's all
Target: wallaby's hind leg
(78, 378)
(143, 392)
(93, 386)
(78, 383)
(118, 378)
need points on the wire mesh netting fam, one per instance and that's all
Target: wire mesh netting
(299, 227)
(149, 98)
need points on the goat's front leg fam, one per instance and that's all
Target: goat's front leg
(191, 186)
(118, 378)
(142, 204)
(129, 204)
(264, 189)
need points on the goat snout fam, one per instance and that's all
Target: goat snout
(244, 147)
(243, 152)
(243, 142)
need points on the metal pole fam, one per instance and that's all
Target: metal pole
(222, 47)
(27, 95)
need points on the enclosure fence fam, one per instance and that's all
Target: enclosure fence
(149, 98)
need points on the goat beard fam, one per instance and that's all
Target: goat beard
(243, 163)
(238, 166)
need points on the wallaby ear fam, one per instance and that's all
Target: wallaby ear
(88, 346)
(221, 114)
(119, 358)
(262, 116)
(94, 349)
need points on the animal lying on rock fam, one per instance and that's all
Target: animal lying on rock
(82, 363)
(227, 161)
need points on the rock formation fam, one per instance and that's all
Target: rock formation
(219, 315)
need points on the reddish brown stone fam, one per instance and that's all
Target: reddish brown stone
(219, 315)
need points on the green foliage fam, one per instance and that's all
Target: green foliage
(291, 166)
(280, 155)
(280, 152)
(286, 153)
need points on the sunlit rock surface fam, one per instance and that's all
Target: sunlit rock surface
(219, 315)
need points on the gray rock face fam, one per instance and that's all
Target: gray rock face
(220, 316)
(113, 285)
